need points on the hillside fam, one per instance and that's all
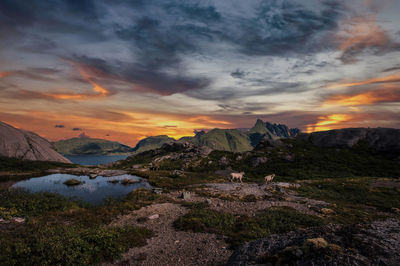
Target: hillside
(81, 146)
(381, 139)
(21, 144)
(151, 143)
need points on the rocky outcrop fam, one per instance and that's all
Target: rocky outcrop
(381, 139)
(376, 243)
(26, 145)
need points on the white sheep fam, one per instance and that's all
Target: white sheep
(238, 176)
(269, 178)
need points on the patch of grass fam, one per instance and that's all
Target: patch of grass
(19, 165)
(244, 228)
(67, 244)
(355, 199)
(24, 204)
(163, 180)
(72, 182)
(61, 232)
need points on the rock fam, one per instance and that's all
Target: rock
(157, 190)
(27, 145)
(185, 195)
(315, 243)
(223, 161)
(19, 220)
(92, 176)
(153, 217)
(220, 204)
(208, 201)
(376, 243)
(257, 161)
(287, 185)
(327, 211)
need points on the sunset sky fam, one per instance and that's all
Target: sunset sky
(124, 70)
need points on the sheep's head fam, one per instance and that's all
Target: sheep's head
(242, 173)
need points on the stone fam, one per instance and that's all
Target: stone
(315, 243)
(208, 201)
(19, 220)
(185, 195)
(327, 211)
(27, 145)
(154, 216)
(92, 176)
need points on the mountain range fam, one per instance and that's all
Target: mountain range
(234, 140)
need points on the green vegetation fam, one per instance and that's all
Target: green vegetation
(225, 139)
(90, 146)
(355, 199)
(244, 228)
(72, 182)
(151, 143)
(61, 232)
(163, 179)
(18, 165)
(298, 160)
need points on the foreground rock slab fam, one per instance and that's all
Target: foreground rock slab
(376, 243)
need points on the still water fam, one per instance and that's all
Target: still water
(93, 191)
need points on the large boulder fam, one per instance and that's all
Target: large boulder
(26, 145)
(376, 243)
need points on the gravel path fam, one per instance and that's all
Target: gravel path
(170, 247)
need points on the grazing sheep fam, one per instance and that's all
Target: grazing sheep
(238, 176)
(269, 178)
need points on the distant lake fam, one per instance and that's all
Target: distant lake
(94, 159)
(93, 191)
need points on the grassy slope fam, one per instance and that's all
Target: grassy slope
(152, 143)
(90, 146)
(308, 162)
(225, 139)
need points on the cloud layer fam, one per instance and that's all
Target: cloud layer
(323, 62)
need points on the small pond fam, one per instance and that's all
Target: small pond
(93, 191)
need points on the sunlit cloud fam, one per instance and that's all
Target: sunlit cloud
(381, 94)
(360, 34)
(328, 122)
(5, 74)
(385, 79)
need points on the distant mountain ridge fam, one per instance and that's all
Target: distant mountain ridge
(87, 146)
(381, 139)
(25, 145)
(235, 140)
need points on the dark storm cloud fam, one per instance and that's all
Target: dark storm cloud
(59, 126)
(159, 34)
(144, 78)
(285, 27)
(77, 129)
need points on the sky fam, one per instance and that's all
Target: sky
(125, 70)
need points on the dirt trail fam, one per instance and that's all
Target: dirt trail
(170, 247)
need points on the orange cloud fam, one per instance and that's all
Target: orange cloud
(125, 127)
(385, 79)
(5, 74)
(97, 90)
(362, 33)
(380, 95)
(328, 122)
